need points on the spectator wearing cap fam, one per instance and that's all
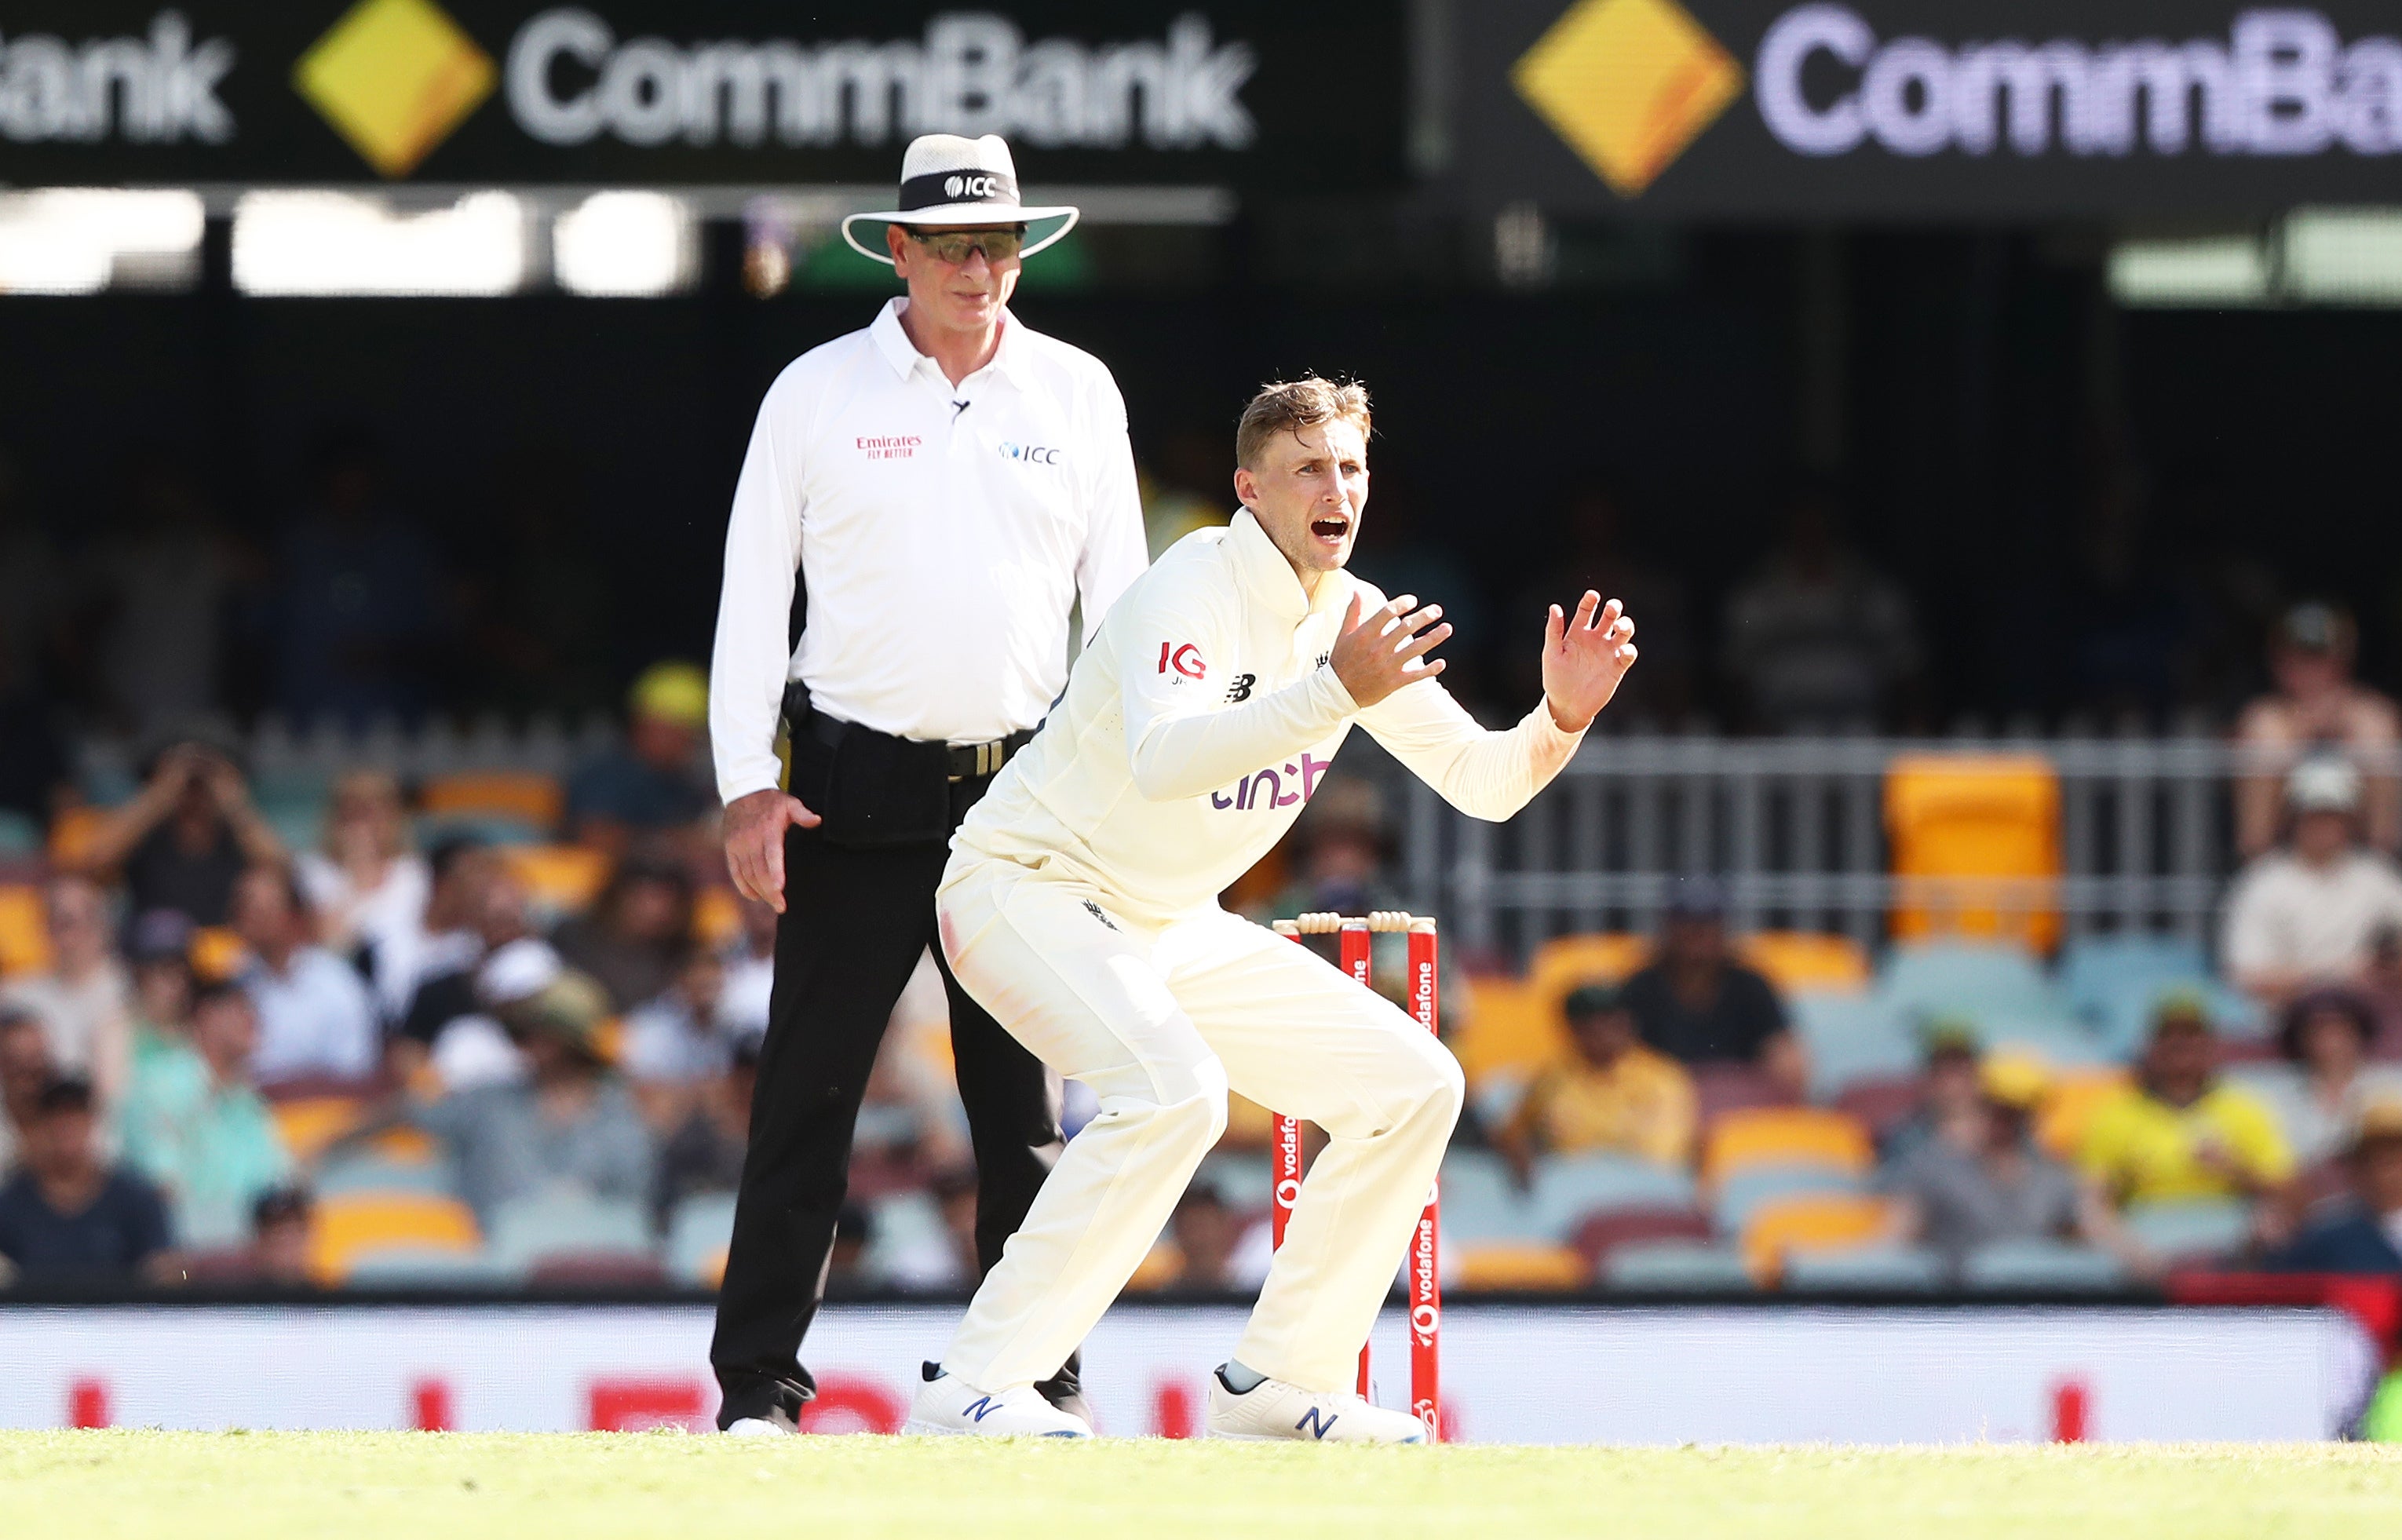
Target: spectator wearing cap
(1984, 1180)
(187, 838)
(1951, 1101)
(314, 1015)
(67, 1216)
(24, 1070)
(635, 933)
(704, 1152)
(1699, 1006)
(2363, 1234)
(2180, 1132)
(444, 941)
(1606, 1093)
(84, 999)
(568, 1125)
(2326, 1034)
(2310, 912)
(365, 886)
(2317, 706)
(158, 956)
(657, 782)
(498, 922)
(195, 1125)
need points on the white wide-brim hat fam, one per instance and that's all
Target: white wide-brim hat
(948, 180)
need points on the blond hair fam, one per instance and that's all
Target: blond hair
(1289, 406)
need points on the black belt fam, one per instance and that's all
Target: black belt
(968, 760)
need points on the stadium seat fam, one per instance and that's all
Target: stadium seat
(349, 1226)
(904, 1231)
(1811, 1222)
(1880, 1103)
(1567, 1188)
(698, 1232)
(2069, 1105)
(573, 1270)
(2093, 966)
(716, 916)
(1852, 1038)
(218, 954)
(1499, 1265)
(2056, 1044)
(370, 1170)
(527, 796)
(2191, 1229)
(1494, 1094)
(1602, 1234)
(1563, 962)
(24, 933)
(1876, 1267)
(1980, 835)
(72, 832)
(426, 1267)
(563, 878)
(1481, 1203)
(1786, 1137)
(1677, 1266)
(19, 834)
(2119, 1014)
(1980, 981)
(526, 1230)
(2034, 1266)
(1742, 1197)
(1244, 1180)
(1508, 1029)
(1807, 962)
(310, 1123)
(1720, 1089)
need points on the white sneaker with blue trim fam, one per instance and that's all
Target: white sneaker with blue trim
(946, 1404)
(1274, 1409)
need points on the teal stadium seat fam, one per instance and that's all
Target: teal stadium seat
(1852, 1038)
(1676, 1266)
(429, 1268)
(2194, 1228)
(2036, 1266)
(367, 1173)
(701, 1227)
(19, 835)
(1745, 1192)
(525, 1230)
(1898, 1267)
(1975, 981)
(1570, 1187)
(1481, 1203)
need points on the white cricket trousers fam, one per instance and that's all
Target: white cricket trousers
(1160, 1021)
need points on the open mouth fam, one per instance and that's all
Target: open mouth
(1334, 526)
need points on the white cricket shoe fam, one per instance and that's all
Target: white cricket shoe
(1274, 1409)
(756, 1428)
(947, 1404)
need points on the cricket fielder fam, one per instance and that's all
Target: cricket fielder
(1080, 908)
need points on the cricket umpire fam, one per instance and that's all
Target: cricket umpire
(943, 487)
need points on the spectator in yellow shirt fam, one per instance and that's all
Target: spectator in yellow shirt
(1609, 1094)
(2180, 1132)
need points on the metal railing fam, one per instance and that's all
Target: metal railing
(1795, 828)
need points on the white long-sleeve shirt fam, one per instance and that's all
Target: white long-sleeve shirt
(945, 531)
(1201, 720)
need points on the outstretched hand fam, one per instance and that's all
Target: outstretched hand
(1376, 657)
(1584, 656)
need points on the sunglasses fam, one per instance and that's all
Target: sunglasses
(956, 246)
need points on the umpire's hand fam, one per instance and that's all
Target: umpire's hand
(755, 843)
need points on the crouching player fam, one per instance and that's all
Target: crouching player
(1080, 907)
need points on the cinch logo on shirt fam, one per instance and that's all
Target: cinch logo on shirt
(890, 447)
(1033, 454)
(1268, 788)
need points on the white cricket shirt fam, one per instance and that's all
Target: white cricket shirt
(1203, 717)
(944, 532)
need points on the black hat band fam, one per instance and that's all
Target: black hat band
(936, 188)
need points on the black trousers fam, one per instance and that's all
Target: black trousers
(854, 922)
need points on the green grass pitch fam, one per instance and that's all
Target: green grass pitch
(195, 1486)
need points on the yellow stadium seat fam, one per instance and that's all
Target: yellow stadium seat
(1816, 1222)
(310, 1123)
(1506, 1265)
(1158, 1269)
(560, 877)
(1508, 1028)
(713, 1268)
(218, 954)
(71, 836)
(348, 1224)
(1565, 962)
(1799, 961)
(1751, 1137)
(2069, 1104)
(407, 1146)
(716, 916)
(528, 794)
(1975, 840)
(24, 933)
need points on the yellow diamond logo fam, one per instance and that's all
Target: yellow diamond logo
(394, 77)
(1628, 84)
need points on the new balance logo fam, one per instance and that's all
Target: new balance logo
(1095, 910)
(1240, 690)
(1316, 1421)
(978, 1408)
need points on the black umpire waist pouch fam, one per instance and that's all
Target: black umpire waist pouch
(871, 787)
